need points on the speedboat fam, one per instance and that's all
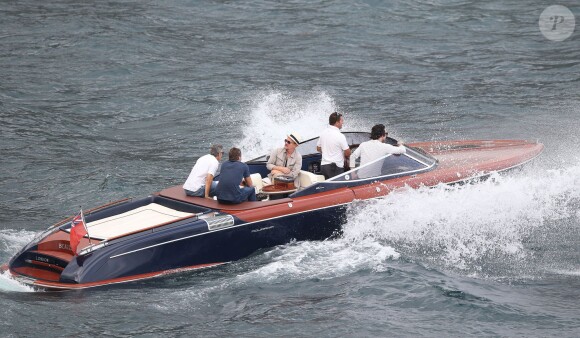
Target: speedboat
(169, 232)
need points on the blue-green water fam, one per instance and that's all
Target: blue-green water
(106, 100)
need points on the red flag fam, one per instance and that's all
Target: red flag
(77, 231)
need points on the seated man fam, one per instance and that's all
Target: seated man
(232, 173)
(287, 160)
(200, 181)
(375, 148)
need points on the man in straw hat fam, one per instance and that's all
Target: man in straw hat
(287, 160)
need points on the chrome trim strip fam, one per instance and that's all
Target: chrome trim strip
(219, 222)
(221, 229)
(418, 160)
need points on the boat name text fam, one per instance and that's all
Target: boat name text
(262, 229)
(64, 246)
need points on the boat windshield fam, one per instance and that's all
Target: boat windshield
(411, 162)
(352, 138)
(308, 147)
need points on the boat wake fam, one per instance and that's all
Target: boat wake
(10, 242)
(518, 225)
(300, 261)
(7, 284)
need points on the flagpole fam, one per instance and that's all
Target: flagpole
(85, 225)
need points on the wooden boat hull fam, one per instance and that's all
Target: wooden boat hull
(216, 234)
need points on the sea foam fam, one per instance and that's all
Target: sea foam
(272, 115)
(476, 227)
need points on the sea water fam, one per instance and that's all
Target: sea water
(103, 101)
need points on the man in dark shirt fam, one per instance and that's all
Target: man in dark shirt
(231, 175)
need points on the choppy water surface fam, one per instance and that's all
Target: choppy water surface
(102, 101)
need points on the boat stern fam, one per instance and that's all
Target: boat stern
(43, 259)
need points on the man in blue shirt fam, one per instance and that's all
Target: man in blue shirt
(231, 175)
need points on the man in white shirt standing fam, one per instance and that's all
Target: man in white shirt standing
(375, 148)
(333, 146)
(200, 181)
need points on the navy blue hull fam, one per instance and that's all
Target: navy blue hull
(192, 244)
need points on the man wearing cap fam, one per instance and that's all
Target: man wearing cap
(286, 160)
(333, 146)
(200, 181)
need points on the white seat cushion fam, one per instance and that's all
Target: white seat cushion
(257, 182)
(134, 220)
(307, 178)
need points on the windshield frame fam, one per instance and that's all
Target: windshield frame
(351, 137)
(409, 153)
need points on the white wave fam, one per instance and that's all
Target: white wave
(575, 272)
(10, 242)
(295, 262)
(469, 227)
(272, 115)
(7, 283)
(321, 260)
(13, 240)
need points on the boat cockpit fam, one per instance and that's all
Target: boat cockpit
(310, 156)
(390, 166)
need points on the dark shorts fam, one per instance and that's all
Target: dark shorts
(248, 194)
(330, 170)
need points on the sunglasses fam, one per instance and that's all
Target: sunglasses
(287, 142)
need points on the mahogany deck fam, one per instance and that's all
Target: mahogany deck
(177, 193)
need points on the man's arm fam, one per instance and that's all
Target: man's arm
(208, 181)
(354, 156)
(283, 170)
(297, 166)
(248, 181)
(246, 175)
(396, 150)
(345, 147)
(347, 153)
(272, 159)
